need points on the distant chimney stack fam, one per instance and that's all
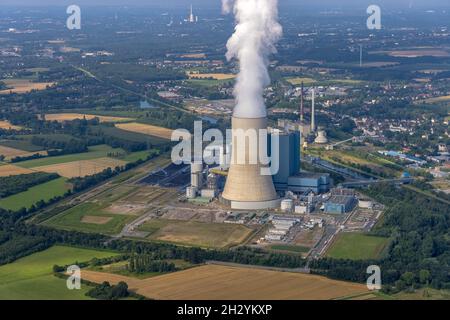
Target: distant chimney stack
(302, 102)
(313, 110)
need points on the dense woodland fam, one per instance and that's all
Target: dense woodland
(105, 291)
(143, 263)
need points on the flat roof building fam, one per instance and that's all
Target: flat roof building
(340, 204)
(316, 182)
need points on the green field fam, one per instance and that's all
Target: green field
(193, 233)
(289, 248)
(72, 219)
(135, 156)
(357, 246)
(22, 144)
(94, 152)
(44, 191)
(32, 277)
(207, 82)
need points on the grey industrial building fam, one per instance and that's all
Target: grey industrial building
(289, 177)
(316, 182)
(340, 204)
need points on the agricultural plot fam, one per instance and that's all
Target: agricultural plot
(23, 86)
(32, 277)
(441, 99)
(61, 117)
(357, 246)
(438, 53)
(146, 129)
(134, 137)
(193, 233)
(95, 152)
(214, 76)
(11, 170)
(81, 168)
(6, 125)
(298, 81)
(24, 144)
(207, 82)
(214, 282)
(9, 152)
(44, 192)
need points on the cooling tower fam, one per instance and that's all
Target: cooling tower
(246, 188)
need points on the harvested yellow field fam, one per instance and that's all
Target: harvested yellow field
(215, 76)
(81, 168)
(194, 56)
(11, 170)
(215, 282)
(147, 129)
(96, 219)
(6, 125)
(60, 117)
(12, 152)
(438, 99)
(24, 86)
(298, 80)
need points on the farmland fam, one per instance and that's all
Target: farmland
(299, 80)
(440, 99)
(81, 168)
(44, 191)
(146, 129)
(23, 86)
(214, 282)
(11, 170)
(32, 277)
(9, 152)
(24, 144)
(216, 235)
(95, 152)
(6, 125)
(60, 117)
(214, 76)
(208, 82)
(357, 246)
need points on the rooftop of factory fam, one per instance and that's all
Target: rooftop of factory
(340, 199)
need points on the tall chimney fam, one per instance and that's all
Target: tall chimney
(301, 103)
(313, 110)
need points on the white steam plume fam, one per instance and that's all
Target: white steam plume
(254, 39)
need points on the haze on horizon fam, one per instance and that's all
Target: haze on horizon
(179, 3)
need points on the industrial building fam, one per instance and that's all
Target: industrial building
(282, 226)
(340, 204)
(289, 157)
(316, 182)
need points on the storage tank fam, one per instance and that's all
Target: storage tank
(191, 192)
(365, 204)
(196, 174)
(287, 205)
